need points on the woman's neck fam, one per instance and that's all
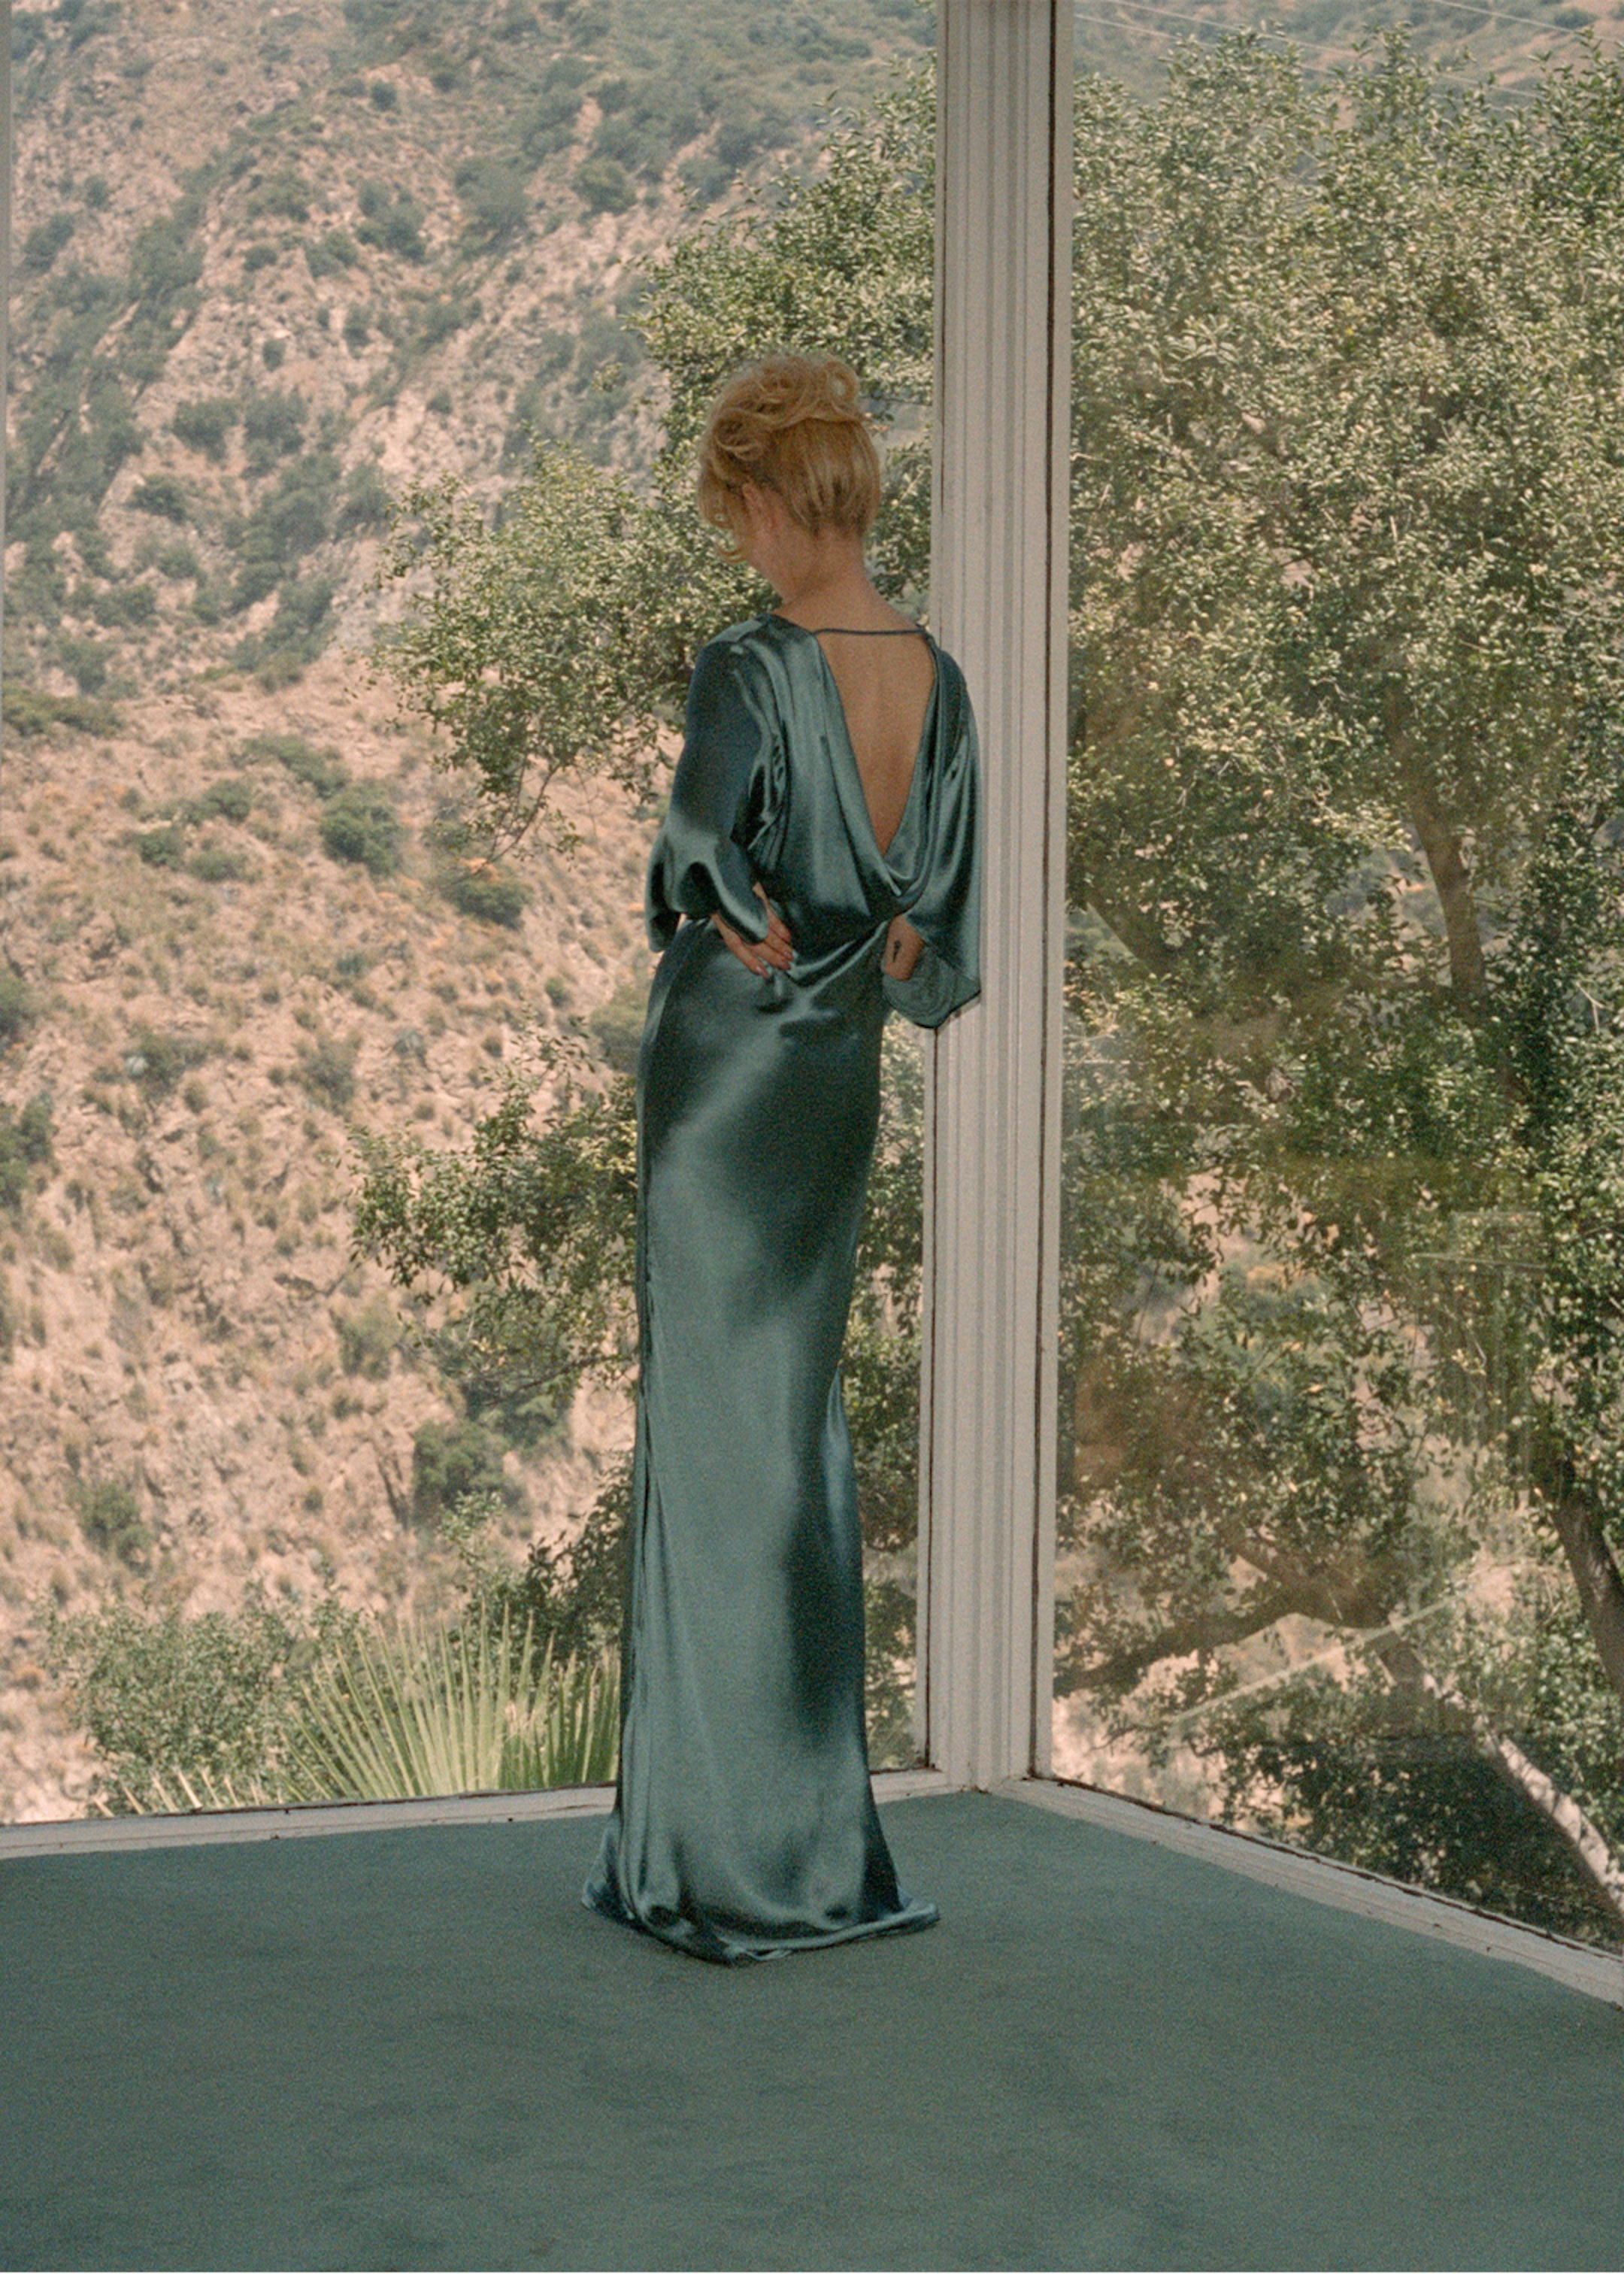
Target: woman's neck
(824, 579)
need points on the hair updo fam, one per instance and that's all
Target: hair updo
(793, 424)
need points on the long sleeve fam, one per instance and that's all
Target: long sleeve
(946, 911)
(698, 868)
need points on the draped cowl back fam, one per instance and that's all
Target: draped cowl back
(743, 1823)
(768, 791)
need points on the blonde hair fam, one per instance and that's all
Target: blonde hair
(793, 424)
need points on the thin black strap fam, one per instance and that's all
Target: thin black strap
(851, 631)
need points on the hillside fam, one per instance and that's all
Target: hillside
(273, 264)
(1127, 40)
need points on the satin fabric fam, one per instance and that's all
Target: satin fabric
(743, 1823)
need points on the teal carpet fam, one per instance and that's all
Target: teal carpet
(412, 2049)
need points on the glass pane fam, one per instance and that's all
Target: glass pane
(268, 1516)
(1340, 1455)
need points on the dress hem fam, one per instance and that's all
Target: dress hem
(698, 1939)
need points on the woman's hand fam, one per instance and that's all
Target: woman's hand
(903, 946)
(759, 955)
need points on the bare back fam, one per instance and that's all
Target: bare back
(885, 677)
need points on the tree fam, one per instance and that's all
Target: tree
(1345, 770)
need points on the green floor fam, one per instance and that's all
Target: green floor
(414, 2050)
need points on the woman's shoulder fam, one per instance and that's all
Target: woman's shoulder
(742, 654)
(754, 634)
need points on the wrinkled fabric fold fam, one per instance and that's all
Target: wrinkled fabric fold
(744, 1823)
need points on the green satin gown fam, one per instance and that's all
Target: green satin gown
(743, 1823)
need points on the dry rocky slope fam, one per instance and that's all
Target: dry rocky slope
(187, 1318)
(232, 206)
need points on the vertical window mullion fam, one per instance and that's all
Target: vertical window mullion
(999, 594)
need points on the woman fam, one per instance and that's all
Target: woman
(821, 845)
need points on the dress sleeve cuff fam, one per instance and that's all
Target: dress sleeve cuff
(932, 994)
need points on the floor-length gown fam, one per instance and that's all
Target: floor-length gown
(743, 1823)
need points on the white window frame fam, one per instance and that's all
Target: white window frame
(999, 592)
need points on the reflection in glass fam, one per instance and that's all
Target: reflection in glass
(1342, 1453)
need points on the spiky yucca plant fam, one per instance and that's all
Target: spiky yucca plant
(404, 1716)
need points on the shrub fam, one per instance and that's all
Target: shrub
(383, 95)
(25, 1145)
(218, 864)
(231, 798)
(285, 196)
(178, 561)
(286, 524)
(417, 1713)
(446, 314)
(337, 250)
(124, 605)
(320, 770)
(85, 662)
(492, 195)
(160, 847)
(327, 1071)
(296, 635)
(603, 185)
(356, 331)
(454, 1461)
(45, 241)
(273, 427)
(163, 260)
(161, 495)
(109, 1517)
(94, 549)
(156, 1061)
(258, 256)
(174, 1699)
(617, 1028)
(367, 1339)
(743, 134)
(254, 580)
(572, 1596)
(16, 1005)
(27, 711)
(359, 823)
(393, 221)
(365, 503)
(203, 425)
(482, 890)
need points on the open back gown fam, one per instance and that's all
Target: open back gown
(743, 1823)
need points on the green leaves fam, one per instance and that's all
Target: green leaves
(529, 642)
(1343, 1176)
(533, 1227)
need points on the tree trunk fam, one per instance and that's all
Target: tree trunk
(1596, 1574)
(1469, 980)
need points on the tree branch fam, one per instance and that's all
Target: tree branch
(1139, 936)
(1581, 1837)
(1123, 1668)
